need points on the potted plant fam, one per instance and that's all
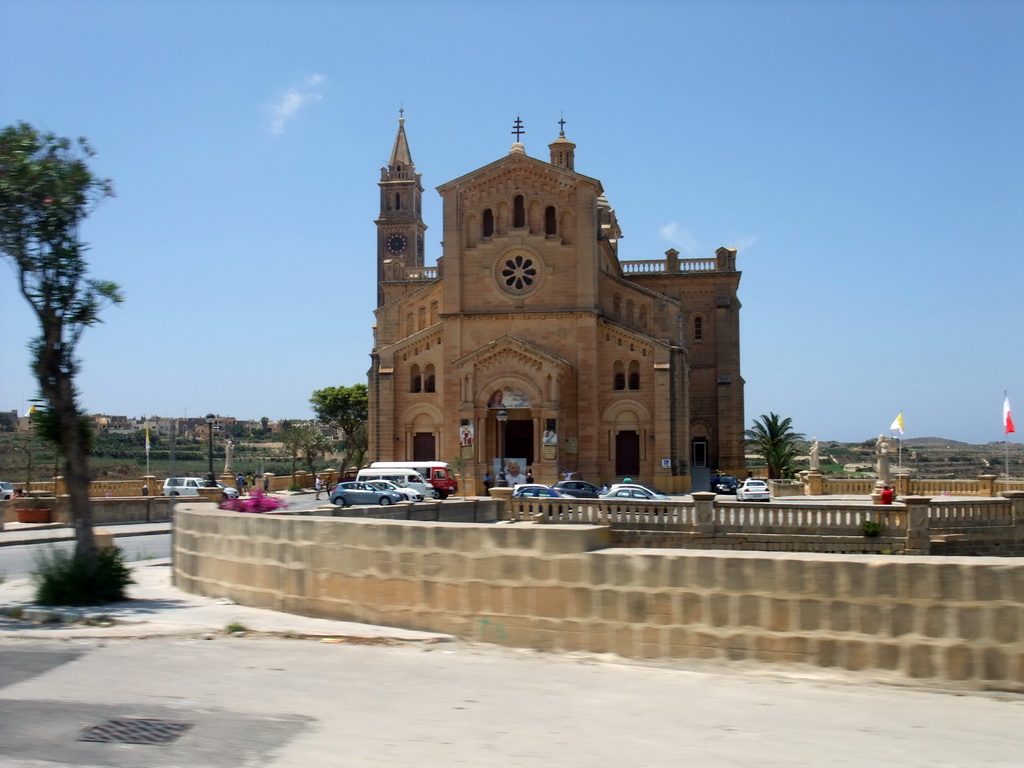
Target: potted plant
(35, 510)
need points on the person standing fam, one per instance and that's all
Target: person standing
(487, 483)
(266, 483)
(318, 484)
(240, 483)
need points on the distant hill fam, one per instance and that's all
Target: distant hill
(934, 442)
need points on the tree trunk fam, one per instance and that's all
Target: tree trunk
(58, 389)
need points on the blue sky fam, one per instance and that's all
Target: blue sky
(864, 157)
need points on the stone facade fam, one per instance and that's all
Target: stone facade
(943, 621)
(602, 367)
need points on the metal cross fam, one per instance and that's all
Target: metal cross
(518, 130)
(561, 126)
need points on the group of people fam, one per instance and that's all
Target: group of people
(246, 483)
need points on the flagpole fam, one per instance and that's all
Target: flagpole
(1006, 444)
(899, 447)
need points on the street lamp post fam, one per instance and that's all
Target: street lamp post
(502, 417)
(211, 480)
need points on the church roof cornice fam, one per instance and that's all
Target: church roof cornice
(502, 345)
(512, 162)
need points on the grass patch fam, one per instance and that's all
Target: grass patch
(236, 627)
(16, 612)
(62, 579)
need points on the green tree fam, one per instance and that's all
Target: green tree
(773, 438)
(46, 191)
(347, 409)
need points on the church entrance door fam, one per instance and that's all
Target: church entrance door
(519, 439)
(423, 448)
(627, 453)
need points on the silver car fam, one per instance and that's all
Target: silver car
(348, 494)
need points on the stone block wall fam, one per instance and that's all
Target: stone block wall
(946, 621)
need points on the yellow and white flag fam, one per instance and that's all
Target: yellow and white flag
(897, 424)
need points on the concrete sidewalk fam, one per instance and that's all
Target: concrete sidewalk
(45, 533)
(156, 608)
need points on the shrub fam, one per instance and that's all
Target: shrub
(62, 579)
(871, 529)
(258, 502)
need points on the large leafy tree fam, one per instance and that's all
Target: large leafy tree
(772, 437)
(46, 191)
(347, 409)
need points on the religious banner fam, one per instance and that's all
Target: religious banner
(466, 433)
(508, 398)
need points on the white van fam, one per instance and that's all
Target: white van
(400, 476)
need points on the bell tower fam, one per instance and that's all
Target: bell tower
(400, 226)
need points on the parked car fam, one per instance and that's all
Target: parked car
(357, 492)
(189, 486)
(577, 489)
(411, 494)
(535, 491)
(629, 491)
(6, 490)
(753, 490)
(725, 484)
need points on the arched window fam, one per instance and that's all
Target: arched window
(698, 328)
(518, 212)
(619, 378)
(398, 201)
(634, 374)
(415, 380)
(428, 379)
(550, 222)
(629, 311)
(488, 223)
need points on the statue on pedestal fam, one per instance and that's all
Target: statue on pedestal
(882, 451)
(815, 455)
(229, 452)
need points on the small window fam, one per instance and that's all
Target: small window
(518, 212)
(428, 379)
(488, 223)
(415, 379)
(398, 201)
(619, 378)
(550, 226)
(634, 374)
(698, 328)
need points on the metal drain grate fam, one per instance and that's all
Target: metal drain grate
(132, 730)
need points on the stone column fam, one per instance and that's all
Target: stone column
(150, 482)
(813, 484)
(918, 536)
(987, 485)
(704, 511)
(1017, 502)
(505, 495)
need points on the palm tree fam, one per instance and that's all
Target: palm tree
(773, 438)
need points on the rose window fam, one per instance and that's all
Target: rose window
(519, 271)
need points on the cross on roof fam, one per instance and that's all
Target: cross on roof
(518, 130)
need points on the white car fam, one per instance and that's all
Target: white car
(189, 486)
(386, 485)
(6, 490)
(633, 491)
(753, 490)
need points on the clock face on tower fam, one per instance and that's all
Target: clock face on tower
(396, 243)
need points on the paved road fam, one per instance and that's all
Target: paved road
(278, 702)
(17, 560)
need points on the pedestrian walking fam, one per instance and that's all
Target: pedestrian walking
(266, 483)
(240, 484)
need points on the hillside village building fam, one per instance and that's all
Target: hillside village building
(531, 340)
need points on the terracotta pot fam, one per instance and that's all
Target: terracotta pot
(33, 515)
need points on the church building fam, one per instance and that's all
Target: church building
(531, 346)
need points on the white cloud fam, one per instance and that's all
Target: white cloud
(680, 238)
(293, 100)
(742, 244)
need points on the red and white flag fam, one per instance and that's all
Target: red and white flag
(1007, 418)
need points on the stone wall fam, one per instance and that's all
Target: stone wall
(945, 621)
(105, 511)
